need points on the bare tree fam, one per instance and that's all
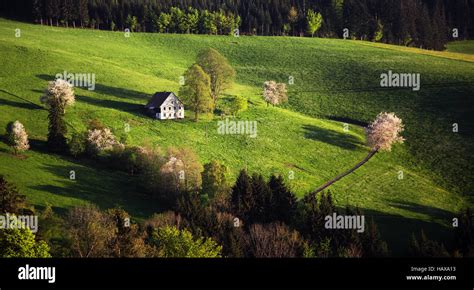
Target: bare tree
(274, 240)
(90, 231)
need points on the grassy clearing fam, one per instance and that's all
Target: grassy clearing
(333, 79)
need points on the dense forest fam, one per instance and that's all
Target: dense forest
(421, 23)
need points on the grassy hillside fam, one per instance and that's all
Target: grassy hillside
(335, 81)
(465, 46)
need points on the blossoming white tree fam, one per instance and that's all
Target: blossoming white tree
(17, 137)
(274, 93)
(101, 140)
(382, 133)
(61, 92)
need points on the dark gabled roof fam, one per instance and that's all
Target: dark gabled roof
(158, 99)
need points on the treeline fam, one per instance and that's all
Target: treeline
(270, 223)
(421, 23)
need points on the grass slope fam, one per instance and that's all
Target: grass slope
(465, 46)
(333, 79)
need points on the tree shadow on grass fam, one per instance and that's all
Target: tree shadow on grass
(21, 105)
(345, 141)
(104, 188)
(117, 105)
(39, 146)
(25, 104)
(96, 183)
(397, 230)
(108, 90)
(433, 212)
(348, 121)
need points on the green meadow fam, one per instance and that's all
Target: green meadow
(465, 46)
(335, 85)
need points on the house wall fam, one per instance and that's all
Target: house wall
(170, 109)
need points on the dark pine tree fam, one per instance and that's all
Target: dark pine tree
(242, 196)
(261, 210)
(283, 201)
(372, 244)
(11, 201)
(57, 129)
(425, 247)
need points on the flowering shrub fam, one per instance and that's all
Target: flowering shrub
(99, 140)
(274, 93)
(17, 136)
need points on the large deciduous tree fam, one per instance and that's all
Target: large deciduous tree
(90, 232)
(21, 243)
(196, 91)
(219, 70)
(214, 179)
(169, 242)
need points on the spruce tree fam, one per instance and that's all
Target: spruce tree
(372, 243)
(262, 196)
(242, 196)
(57, 128)
(283, 200)
(11, 201)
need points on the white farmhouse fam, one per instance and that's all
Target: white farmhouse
(165, 105)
